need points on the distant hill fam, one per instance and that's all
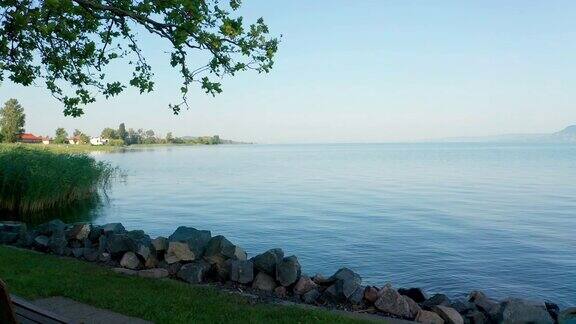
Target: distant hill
(567, 135)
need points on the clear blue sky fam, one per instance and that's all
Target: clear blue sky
(366, 71)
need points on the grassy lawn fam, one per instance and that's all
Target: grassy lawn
(66, 148)
(32, 275)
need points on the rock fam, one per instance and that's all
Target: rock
(333, 294)
(8, 238)
(475, 317)
(11, 232)
(567, 316)
(95, 233)
(280, 292)
(78, 232)
(448, 314)
(347, 280)
(436, 300)
(428, 317)
(172, 268)
(320, 280)
(462, 306)
(416, 294)
(160, 244)
(113, 228)
(553, 310)
(288, 271)
(241, 271)
(104, 257)
(264, 282)
(413, 306)
(52, 227)
(91, 255)
(178, 251)
(391, 302)
(155, 273)
(130, 261)
(219, 249)
(125, 271)
(193, 272)
(197, 240)
(311, 296)
(358, 296)
(118, 244)
(520, 311)
(371, 294)
(485, 304)
(78, 252)
(57, 243)
(41, 242)
(151, 262)
(304, 285)
(267, 261)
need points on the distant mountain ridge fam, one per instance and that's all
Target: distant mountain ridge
(567, 135)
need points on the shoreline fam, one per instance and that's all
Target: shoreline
(197, 257)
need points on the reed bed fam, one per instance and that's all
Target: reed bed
(33, 180)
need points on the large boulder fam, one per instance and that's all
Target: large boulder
(567, 316)
(178, 251)
(304, 285)
(57, 243)
(416, 294)
(52, 227)
(520, 311)
(41, 242)
(427, 317)
(241, 271)
(11, 232)
(448, 314)
(488, 306)
(155, 273)
(371, 294)
(220, 249)
(118, 244)
(347, 281)
(264, 282)
(95, 233)
(391, 302)
(311, 296)
(78, 232)
(130, 261)
(288, 271)
(194, 272)
(197, 240)
(160, 245)
(267, 261)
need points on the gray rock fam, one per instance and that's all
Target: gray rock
(448, 314)
(241, 271)
(485, 304)
(414, 307)
(57, 243)
(90, 254)
(52, 227)
(311, 296)
(436, 300)
(304, 285)
(78, 232)
(130, 260)
(416, 294)
(347, 280)
(333, 294)
(371, 294)
(178, 251)
(160, 244)
(427, 317)
(78, 252)
(520, 311)
(151, 262)
(155, 273)
(462, 306)
(567, 316)
(280, 292)
(264, 282)
(104, 257)
(11, 232)
(8, 238)
(197, 240)
(391, 302)
(41, 242)
(95, 233)
(194, 272)
(288, 271)
(475, 317)
(358, 296)
(553, 310)
(118, 244)
(113, 228)
(219, 249)
(267, 261)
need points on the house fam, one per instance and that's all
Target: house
(46, 140)
(29, 138)
(98, 141)
(74, 140)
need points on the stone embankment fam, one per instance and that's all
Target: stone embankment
(195, 256)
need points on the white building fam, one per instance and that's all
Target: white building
(98, 141)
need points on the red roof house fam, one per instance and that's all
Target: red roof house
(29, 138)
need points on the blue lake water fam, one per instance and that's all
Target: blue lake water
(445, 217)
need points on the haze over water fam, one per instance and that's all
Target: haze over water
(445, 217)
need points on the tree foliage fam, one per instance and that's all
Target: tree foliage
(12, 120)
(109, 133)
(61, 136)
(69, 44)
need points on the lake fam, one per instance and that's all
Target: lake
(448, 217)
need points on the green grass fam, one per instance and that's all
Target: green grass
(33, 180)
(65, 148)
(32, 275)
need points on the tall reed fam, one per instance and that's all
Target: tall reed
(33, 180)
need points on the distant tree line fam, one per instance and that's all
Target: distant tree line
(121, 136)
